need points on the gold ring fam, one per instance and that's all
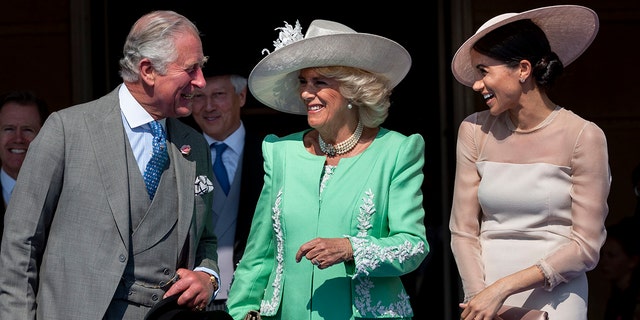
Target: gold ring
(198, 308)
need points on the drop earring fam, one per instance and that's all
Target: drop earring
(521, 80)
(349, 106)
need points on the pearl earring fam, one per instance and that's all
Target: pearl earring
(349, 106)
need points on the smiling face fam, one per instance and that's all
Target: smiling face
(172, 91)
(498, 83)
(216, 107)
(19, 125)
(326, 107)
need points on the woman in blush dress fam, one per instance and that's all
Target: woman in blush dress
(532, 177)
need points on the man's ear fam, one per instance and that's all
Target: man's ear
(147, 71)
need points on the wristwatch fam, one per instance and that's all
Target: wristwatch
(214, 282)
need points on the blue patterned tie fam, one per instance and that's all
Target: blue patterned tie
(218, 166)
(158, 160)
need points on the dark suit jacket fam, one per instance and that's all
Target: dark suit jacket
(250, 187)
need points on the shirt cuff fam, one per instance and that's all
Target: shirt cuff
(213, 273)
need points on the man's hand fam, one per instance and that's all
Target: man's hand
(195, 288)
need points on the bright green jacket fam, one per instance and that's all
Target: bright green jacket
(374, 199)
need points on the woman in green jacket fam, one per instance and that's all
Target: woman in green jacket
(340, 217)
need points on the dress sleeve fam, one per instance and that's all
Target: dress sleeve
(405, 246)
(464, 222)
(591, 183)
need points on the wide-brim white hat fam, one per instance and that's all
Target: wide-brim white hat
(274, 80)
(570, 30)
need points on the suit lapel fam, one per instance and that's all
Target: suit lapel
(185, 176)
(109, 146)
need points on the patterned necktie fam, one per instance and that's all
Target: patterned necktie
(218, 166)
(158, 160)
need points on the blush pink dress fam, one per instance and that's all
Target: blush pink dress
(530, 198)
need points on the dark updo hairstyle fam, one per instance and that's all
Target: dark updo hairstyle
(523, 40)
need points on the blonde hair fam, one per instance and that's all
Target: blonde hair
(368, 91)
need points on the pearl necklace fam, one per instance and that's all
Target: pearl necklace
(343, 147)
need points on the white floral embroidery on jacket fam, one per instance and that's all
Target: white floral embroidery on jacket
(269, 308)
(368, 256)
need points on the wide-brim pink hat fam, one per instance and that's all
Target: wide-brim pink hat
(569, 28)
(274, 80)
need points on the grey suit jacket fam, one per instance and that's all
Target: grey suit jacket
(68, 229)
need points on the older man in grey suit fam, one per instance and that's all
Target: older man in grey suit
(85, 237)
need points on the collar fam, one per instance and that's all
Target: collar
(7, 182)
(234, 141)
(133, 111)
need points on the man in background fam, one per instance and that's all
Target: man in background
(217, 114)
(22, 114)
